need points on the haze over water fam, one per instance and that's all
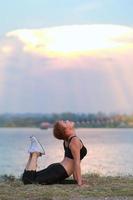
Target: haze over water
(110, 151)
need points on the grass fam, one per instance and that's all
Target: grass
(96, 186)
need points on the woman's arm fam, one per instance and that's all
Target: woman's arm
(75, 146)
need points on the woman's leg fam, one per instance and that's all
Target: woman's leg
(35, 150)
(54, 173)
(32, 162)
(29, 175)
(29, 160)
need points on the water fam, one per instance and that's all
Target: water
(110, 151)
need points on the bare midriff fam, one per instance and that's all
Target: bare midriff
(68, 164)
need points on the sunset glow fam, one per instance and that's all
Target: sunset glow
(74, 40)
(82, 67)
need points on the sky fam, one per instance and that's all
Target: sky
(66, 56)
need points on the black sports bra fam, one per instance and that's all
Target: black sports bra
(68, 153)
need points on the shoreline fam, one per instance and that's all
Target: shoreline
(86, 175)
(84, 127)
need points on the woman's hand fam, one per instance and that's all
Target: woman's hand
(84, 183)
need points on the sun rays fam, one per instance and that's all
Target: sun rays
(90, 63)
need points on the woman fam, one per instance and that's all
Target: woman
(74, 149)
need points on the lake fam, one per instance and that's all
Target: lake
(110, 151)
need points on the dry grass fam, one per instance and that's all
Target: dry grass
(97, 187)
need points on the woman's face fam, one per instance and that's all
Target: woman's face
(67, 124)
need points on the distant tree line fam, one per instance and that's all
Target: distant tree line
(90, 120)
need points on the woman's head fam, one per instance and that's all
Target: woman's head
(63, 129)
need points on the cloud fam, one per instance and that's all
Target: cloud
(126, 39)
(72, 40)
(83, 68)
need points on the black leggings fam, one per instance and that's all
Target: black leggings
(54, 173)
